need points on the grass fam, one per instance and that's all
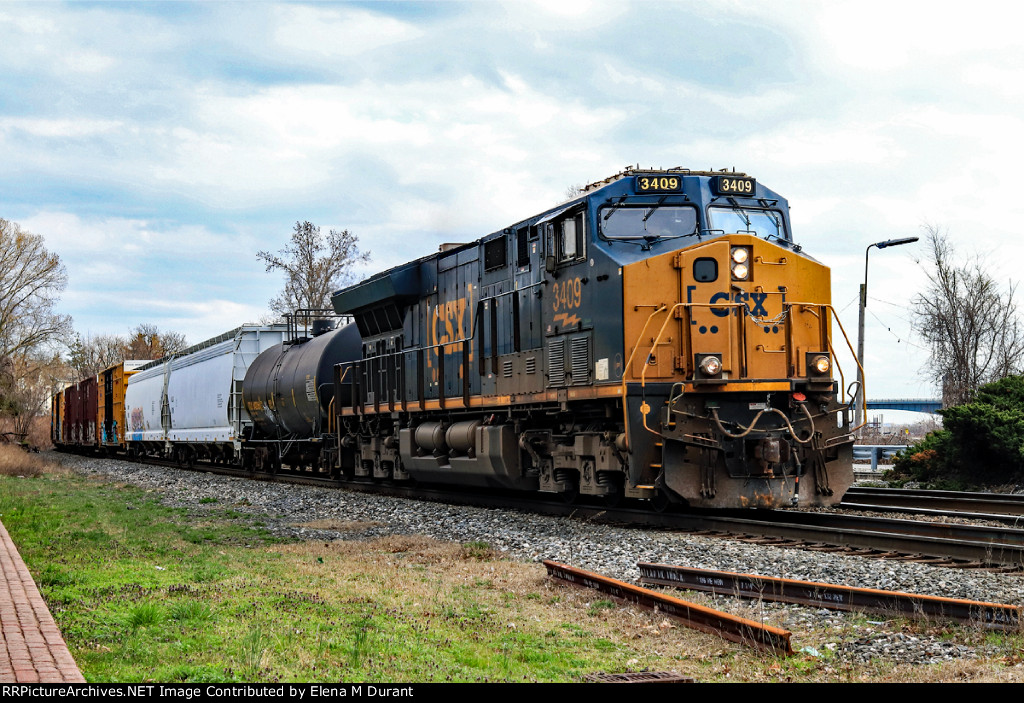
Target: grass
(143, 592)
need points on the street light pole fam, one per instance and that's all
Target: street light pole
(859, 418)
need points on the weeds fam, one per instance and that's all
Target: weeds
(191, 611)
(145, 615)
(360, 641)
(15, 461)
(481, 551)
(254, 650)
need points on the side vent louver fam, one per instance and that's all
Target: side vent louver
(531, 364)
(579, 348)
(506, 369)
(556, 362)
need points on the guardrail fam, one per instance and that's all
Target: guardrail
(877, 453)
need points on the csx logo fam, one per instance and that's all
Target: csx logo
(449, 326)
(447, 322)
(754, 303)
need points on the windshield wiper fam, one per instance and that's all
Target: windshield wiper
(653, 208)
(613, 208)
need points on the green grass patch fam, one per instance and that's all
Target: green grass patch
(144, 592)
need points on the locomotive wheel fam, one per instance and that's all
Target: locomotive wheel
(660, 502)
(613, 499)
(570, 496)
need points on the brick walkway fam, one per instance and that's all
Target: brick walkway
(33, 650)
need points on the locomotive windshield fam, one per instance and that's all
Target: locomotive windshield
(766, 224)
(649, 223)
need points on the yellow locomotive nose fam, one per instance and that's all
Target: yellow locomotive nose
(733, 331)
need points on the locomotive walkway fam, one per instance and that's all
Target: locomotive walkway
(33, 649)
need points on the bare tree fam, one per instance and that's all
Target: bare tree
(314, 266)
(148, 342)
(969, 321)
(31, 280)
(90, 355)
(36, 376)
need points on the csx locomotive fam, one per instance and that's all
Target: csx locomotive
(660, 337)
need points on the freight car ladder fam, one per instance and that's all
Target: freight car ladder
(247, 348)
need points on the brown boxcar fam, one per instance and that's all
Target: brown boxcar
(80, 403)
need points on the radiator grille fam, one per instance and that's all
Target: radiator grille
(556, 362)
(579, 349)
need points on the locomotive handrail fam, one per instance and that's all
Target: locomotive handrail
(629, 363)
(643, 374)
(864, 414)
(645, 409)
(831, 350)
(514, 290)
(657, 338)
(390, 356)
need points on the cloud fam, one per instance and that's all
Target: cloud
(158, 146)
(57, 128)
(337, 33)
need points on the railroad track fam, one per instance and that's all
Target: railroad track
(1001, 507)
(945, 544)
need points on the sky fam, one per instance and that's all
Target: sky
(158, 146)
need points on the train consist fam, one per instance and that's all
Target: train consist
(658, 337)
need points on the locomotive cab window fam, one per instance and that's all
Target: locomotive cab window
(648, 223)
(569, 235)
(767, 224)
(565, 240)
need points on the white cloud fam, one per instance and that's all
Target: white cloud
(470, 136)
(337, 32)
(59, 128)
(88, 62)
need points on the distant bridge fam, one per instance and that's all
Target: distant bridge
(917, 405)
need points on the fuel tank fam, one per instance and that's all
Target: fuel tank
(288, 388)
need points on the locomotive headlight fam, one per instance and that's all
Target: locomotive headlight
(739, 255)
(740, 271)
(711, 365)
(821, 365)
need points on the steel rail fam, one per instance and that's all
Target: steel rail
(973, 545)
(1012, 520)
(963, 502)
(698, 617)
(952, 531)
(996, 616)
(926, 492)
